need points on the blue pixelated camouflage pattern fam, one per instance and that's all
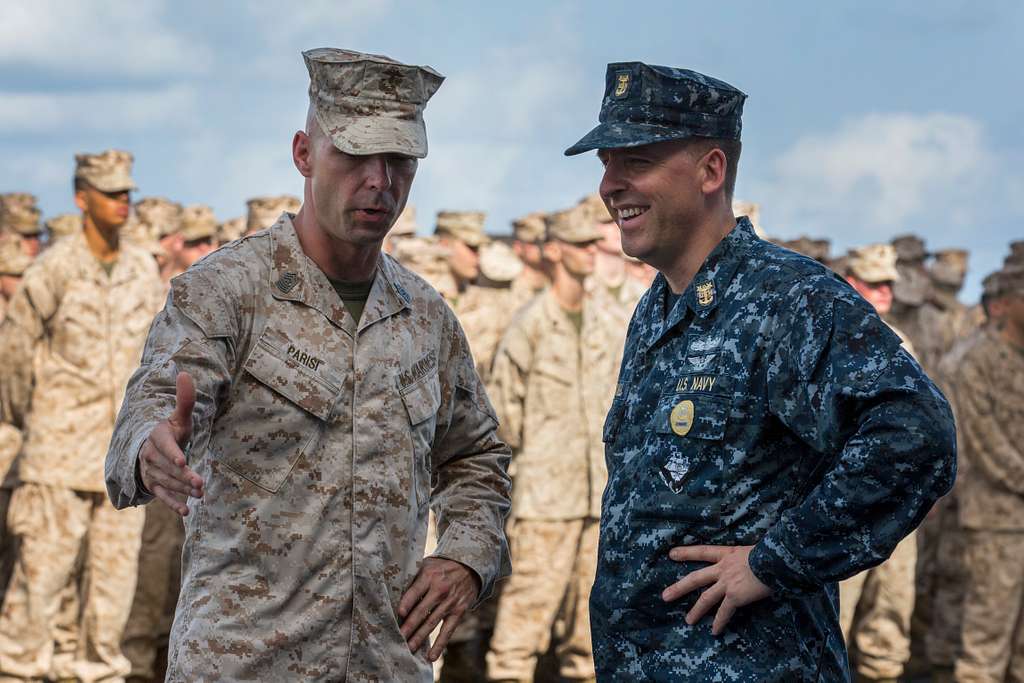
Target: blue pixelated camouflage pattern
(813, 436)
(646, 103)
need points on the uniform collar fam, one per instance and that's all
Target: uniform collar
(126, 266)
(708, 287)
(295, 277)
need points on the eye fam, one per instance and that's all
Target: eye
(637, 162)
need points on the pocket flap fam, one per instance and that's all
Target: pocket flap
(692, 416)
(290, 379)
(422, 399)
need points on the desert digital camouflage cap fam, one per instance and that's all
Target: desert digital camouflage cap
(13, 259)
(873, 264)
(529, 228)
(573, 226)
(161, 216)
(198, 222)
(109, 171)
(465, 226)
(498, 263)
(405, 224)
(370, 104)
(949, 267)
(817, 249)
(19, 214)
(231, 229)
(595, 208)
(63, 225)
(262, 212)
(644, 103)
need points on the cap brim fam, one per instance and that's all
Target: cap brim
(618, 135)
(360, 136)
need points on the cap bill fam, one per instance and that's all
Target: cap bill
(375, 135)
(614, 135)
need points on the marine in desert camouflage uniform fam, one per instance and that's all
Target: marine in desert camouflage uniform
(19, 216)
(318, 427)
(875, 605)
(63, 225)
(552, 383)
(528, 242)
(72, 333)
(988, 394)
(263, 212)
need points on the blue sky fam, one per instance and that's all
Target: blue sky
(864, 119)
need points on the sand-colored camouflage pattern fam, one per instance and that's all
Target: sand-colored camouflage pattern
(750, 411)
(645, 103)
(321, 443)
(63, 225)
(405, 224)
(156, 590)
(484, 313)
(109, 171)
(198, 222)
(19, 214)
(231, 229)
(552, 388)
(874, 263)
(465, 226)
(498, 263)
(529, 228)
(548, 592)
(595, 209)
(159, 215)
(370, 104)
(949, 267)
(70, 340)
(572, 225)
(53, 525)
(262, 212)
(874, 613)
(13, 259)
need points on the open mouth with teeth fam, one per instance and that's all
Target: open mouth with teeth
(629, 213)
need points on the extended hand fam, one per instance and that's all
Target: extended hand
(161, 460)
(442, 590)
(729, 579)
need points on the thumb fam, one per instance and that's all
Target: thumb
(185, 400)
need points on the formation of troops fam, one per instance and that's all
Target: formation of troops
(89, 593)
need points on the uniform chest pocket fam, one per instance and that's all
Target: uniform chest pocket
(279, 413)
(683, 476)
(422, 400)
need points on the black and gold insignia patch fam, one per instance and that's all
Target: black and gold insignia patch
(287, 282)
(621, 84)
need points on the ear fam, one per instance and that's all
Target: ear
(711, 169)
(302, 153)
(80, 200)
(552, 251)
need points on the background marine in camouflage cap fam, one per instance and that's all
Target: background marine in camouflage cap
(735, 454)
(262, 212)
(19, 216)
(63, 225)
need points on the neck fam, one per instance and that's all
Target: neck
(339, 260)
(567, 289)
(610, 269)
(702, 241)
(104, 243)
(533, 277)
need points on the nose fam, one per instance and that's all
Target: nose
(612, 181)
(378, 172)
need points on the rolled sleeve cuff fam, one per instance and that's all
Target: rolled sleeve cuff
(777, 568)
(488, 559)
(132, 490)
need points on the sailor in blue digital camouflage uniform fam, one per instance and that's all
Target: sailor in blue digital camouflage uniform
(768, 436)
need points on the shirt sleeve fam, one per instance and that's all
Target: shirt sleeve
(31, 308)
(471, 488)
(193, 333)
(507, 386)
(881, 437)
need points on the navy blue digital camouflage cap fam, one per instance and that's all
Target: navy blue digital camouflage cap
(644, 103)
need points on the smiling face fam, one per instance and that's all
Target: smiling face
(658, 195)
(355, 199)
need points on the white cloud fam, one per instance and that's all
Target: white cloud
(109, 37)
(880, 172)
(136, 109)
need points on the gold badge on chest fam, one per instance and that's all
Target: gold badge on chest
(705, 293)
(681, 419)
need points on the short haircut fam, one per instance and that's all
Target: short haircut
(730, 148)
(81, 184)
